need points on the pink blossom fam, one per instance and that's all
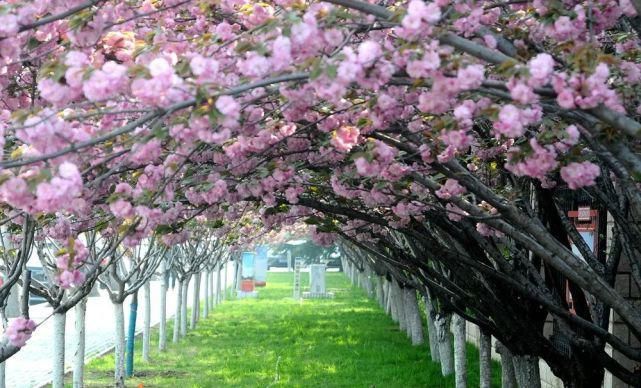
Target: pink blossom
(68, 278)
(459, 139)
(121, 208)
(345, 138)
(510, 122)
(368, 52)
(8, 25)
(421, 68)
(367, 168)
(206, 69)
(228, 106)
(451, 188)
(470, 77)
(106, 82)
(143, 153)
(578, 175)
(537, 165)
(19, 331)
(541, 68)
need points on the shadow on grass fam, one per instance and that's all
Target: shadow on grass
(275, 341)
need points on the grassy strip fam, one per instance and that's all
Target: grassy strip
(274, 341)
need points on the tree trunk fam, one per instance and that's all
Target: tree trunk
(183, 307)
(131, 335)
(146, 328)
(79, 356)
(162, 327)
(218, 286)
(206, 307)
(178, 314)
(485, 360)
(430, 316)
(380, 293)
(119, 348)
(388, 297)
(400, 307)
(415, 319)
(195, 305)
(393, 301)
(508, 380)
(408, 313)
(526, 371)
(224, 290)
(58, 374)
(444, 344)
(460, 353)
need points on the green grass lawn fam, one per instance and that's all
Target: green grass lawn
(274, 341)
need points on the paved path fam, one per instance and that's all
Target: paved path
(31, 366)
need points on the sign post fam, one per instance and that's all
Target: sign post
(297, 265)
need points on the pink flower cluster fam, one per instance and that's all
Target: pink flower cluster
(69, 264)
(345, 137)
(19, 331)
(536, 165)
(584, 92)
(512, 121)
(451, 188)
(578, 175)
(163, 88)
(418, 20)
(383, 156)
(61, 192)
(105, 83)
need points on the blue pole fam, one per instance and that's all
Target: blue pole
(131, 335)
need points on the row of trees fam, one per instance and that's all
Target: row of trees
(446, 140)
(122, 274)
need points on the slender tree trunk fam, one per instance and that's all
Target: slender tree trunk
(206, 307)
(218, 285)
(393, 305)
(183, 311)
(526, 371)
(408, 313)
(380, 293)
(388, 298)
(444, 344)
(460, 353)
(224, 290)
(3, 377)
(178, 314)
(131, 335)
(79, 356)
(508, 380)
(415, 318)
(162, 327)
(58, 376)
(430, 316)
(211, 290)
(195, 305)
(485, 360)
(146, 328)
(400, 307)
(119, 348)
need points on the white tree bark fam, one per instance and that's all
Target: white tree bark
(178, 313)
(146, 328)
(119, 348)
(207, 300)
(460, 353)
(380, 293)
(388, 297)
(407, 311)
(195, 304)
(162, 327)
(485, 360)
(444, 344)
(508, 380)
(79, 356)
(526, 371)
(415, 319)
(430, 316)
(218, 285)
(58, 374)
(183, 308)
(393, 302)
(400, 307)
(224, 290)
